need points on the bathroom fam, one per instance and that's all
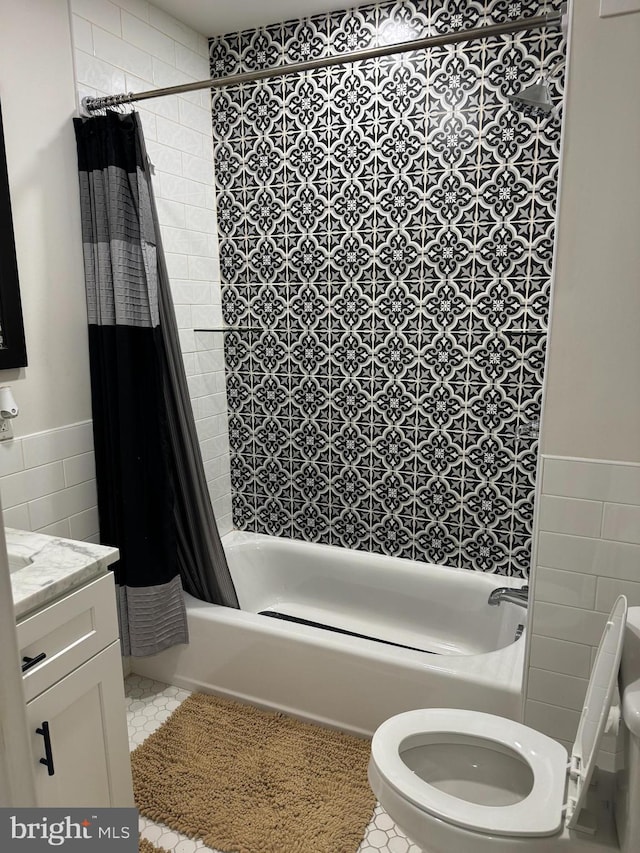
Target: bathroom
(585, 542)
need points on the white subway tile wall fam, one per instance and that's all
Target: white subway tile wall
(48, 482)
(560, 656)
(129, 45)
(588, 553)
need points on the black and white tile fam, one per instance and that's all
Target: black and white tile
(388, 228)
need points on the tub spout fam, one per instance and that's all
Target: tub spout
(513, 596)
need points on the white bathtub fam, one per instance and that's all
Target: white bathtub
(340, 680)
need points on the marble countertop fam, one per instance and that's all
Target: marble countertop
(43, 568)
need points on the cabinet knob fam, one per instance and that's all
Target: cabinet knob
(48, 759)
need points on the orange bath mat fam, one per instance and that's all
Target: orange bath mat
(250, 781)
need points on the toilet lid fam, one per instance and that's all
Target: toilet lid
(595, 711)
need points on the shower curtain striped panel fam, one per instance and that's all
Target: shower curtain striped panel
(142, 503)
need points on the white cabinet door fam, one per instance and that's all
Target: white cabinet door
(87, 734)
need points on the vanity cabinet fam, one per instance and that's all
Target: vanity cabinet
(72, 675)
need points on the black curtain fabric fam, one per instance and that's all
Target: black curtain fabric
(201, 558)
(152, 496)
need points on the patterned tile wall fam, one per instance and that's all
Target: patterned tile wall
(386, 236)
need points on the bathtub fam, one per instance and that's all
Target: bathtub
(399, 635)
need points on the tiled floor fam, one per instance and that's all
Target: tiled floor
(149, 703)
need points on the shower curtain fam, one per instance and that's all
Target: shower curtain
(152, 494)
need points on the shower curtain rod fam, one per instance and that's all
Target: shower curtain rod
(91, 105)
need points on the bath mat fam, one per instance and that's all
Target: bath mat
(250, 781)
(147, 847)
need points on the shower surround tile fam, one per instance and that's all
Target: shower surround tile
(587, 553)
(149, 703)
(387, 226)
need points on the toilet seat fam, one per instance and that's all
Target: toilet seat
(540, 812)
(543, 809)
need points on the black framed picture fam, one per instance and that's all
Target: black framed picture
(13, 351)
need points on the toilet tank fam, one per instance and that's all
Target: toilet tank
(627, 797)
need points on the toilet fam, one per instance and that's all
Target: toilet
(460, 781)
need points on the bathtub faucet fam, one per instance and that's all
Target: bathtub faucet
(513, 596)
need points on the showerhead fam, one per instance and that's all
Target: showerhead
(536, 95)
